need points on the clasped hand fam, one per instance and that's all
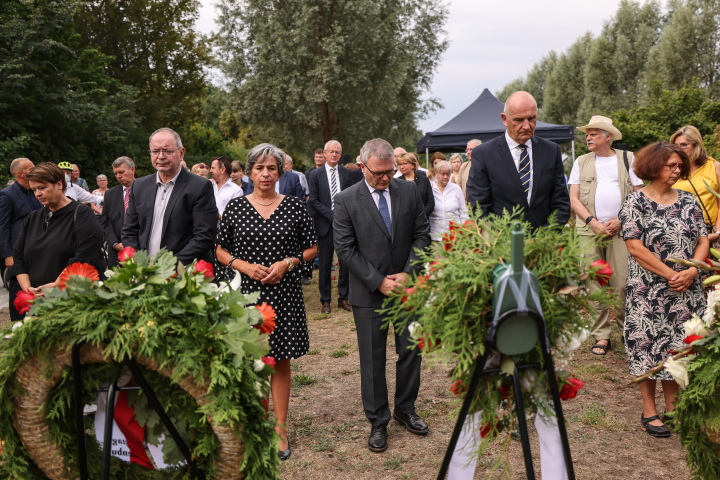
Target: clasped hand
(263, 274)
(682, 280)
(609, 228)
(393, 282)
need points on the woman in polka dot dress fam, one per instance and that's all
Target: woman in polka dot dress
(264, 236)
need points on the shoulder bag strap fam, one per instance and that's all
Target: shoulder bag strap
(700, 200)
(627, 163)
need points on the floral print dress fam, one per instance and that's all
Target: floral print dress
(654, 313)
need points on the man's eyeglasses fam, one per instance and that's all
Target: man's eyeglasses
(380, 175)
(333, 152)
(167, 153)
(674, 166)
(46, 223)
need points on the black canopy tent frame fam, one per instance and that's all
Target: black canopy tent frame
(481, 120)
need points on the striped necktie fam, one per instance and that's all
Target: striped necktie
(333, 187)
(524, 170)
(126, 201)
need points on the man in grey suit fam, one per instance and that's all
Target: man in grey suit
(379, 224)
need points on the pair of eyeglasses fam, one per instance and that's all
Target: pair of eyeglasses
(380, 175)
(202, 165)
(334, 152)
(674, 166)
(46, 223)
(684, 145)
(167, 153)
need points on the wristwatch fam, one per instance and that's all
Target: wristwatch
(589, 219)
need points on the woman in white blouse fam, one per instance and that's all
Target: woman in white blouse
(449, 202)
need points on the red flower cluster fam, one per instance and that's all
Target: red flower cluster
(506, 392)
(22, 301)
(458, 388)
(448, 239)
(268, 313)
(81, 270)
(408, 292)
(426, 345)
(692, 338)
(485, 430)
(206, 268)
(126, 254)
(269, 361)
(604, 272)
(571, 388)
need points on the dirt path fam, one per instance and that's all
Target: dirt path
(328, 430)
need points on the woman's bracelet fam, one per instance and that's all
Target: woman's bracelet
(290, 264)
(232, 259)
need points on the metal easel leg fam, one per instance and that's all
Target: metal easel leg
(107, 440)
(78, 411)
(522, 425)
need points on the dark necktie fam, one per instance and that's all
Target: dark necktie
(524, 170)
(333, 188)
(384, 212)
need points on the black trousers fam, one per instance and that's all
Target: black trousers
(372, 345)
(325, 253)
(14, 289)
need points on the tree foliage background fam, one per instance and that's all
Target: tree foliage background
(653, 68)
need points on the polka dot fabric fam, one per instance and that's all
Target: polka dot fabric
(286, 233)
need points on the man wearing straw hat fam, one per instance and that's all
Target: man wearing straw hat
(599, 183)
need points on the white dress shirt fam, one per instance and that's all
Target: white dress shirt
(162, 196)
(515, 152)
(376, 198)
(449, 207)
(79, 195)
(227, 192)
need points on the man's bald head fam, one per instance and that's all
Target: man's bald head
(520, 116)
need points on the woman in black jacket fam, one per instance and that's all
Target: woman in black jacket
(407, 163)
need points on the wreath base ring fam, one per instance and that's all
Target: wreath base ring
(30, 414)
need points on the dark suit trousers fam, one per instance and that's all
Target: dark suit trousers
(14, 290)
(325, 254)
(372, 343)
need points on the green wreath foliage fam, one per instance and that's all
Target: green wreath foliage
(448, 308)
(186, 324)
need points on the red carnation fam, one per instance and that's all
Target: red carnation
(408, 292)
(692, 338)
(603, 272)
(269, 361)
(485, 430)
(268, 313)
(505, 392)
(422, 344)
(22, 301)
(448, 240)
(201, 266)
(126, 254)
(571, 388)
(470, 224)
(453, 226)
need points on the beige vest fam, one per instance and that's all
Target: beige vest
(588, 185)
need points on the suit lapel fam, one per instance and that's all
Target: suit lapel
(177, 190)
(367, 199)
(510, 168)
(282, 183)
(323, 188)
(25, 198)
(537, 167)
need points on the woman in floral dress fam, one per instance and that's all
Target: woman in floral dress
(660, 223)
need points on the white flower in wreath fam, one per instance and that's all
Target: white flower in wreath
(258, 365)
(712, 302)
(678, 370)
(258, 390)
(413, 328)
(576, 340)
(695, 326)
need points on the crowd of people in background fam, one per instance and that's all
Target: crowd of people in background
(273, 225)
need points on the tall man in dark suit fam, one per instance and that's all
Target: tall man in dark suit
(519, 169)
(117, 200)
(325, 183)
(16, 202)
(379, 225)
(173, 208)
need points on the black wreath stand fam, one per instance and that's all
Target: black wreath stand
(516, 328)
(112, 391)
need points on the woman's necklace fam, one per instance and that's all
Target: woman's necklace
(265, 204)
(657, 195)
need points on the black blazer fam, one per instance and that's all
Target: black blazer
(362, 242)
(112, 221)
(494, 182)
(16, 203)
(190, 220)
(424, 188)
(320, 204)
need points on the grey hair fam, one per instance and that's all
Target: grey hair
(378, 148)
(258, 154)
(476, 141)
(443, 166)
(604, 133)
(16, 164)
(101, 176)
(120, 161)
(454, 156)
(176, 136)
(288, 157)
(332, 142)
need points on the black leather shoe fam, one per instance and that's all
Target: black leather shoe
(345, 305)
(378, 439)
(660, 431)
(412, 422)
(325, 307)
(284, 454)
